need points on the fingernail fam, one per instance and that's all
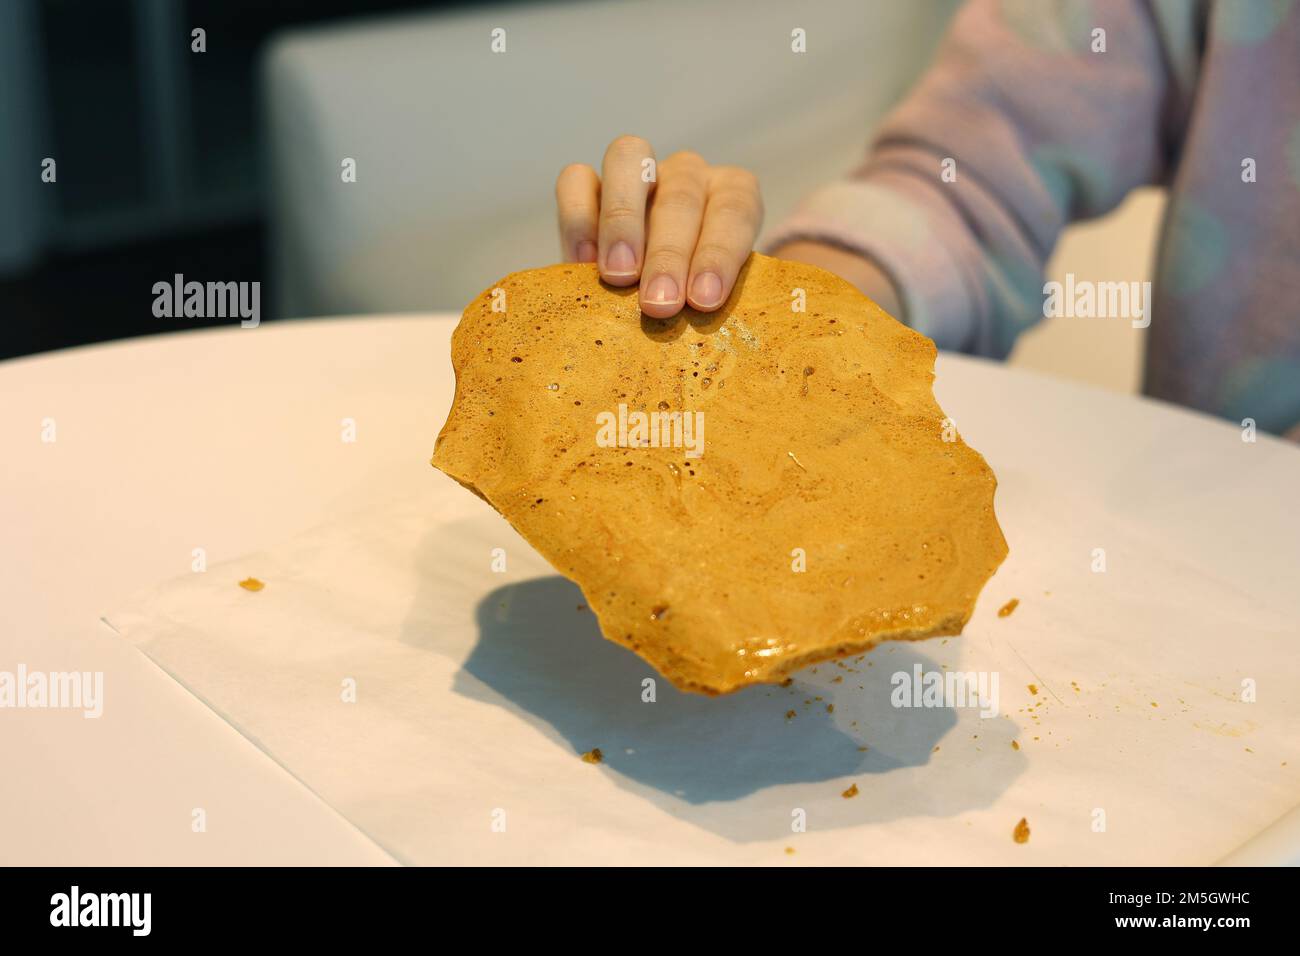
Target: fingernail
(586, 251)
(620, 261)
(662, 291)
(706, 290)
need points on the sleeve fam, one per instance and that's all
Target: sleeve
(1035, 113)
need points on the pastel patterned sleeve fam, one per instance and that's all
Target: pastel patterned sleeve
(1034, 114)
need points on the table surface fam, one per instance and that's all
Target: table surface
(228, 440)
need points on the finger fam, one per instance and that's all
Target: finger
(732, 216)
(577, 202)
(625, 189)
(676, 211)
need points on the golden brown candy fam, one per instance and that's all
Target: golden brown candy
(738, 494)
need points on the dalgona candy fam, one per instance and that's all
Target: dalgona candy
(738, 494)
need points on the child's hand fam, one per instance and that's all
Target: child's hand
(683, 229)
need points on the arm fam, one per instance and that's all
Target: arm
(1040, 130)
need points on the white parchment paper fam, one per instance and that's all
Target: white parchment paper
(476, 692)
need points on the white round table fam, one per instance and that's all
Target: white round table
(227, 440)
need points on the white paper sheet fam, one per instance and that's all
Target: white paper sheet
(476, 692)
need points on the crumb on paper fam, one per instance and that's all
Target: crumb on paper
(593, 756)
(787, 682)
(1015, 745)
(251, 584)
(1006, 609)
(789, 851)
(1021, 833)
(790, 715)
(1033, 689)
(851, 792)
(830, 708)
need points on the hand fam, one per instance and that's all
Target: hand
(680, 231)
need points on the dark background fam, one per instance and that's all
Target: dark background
(158, 153)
